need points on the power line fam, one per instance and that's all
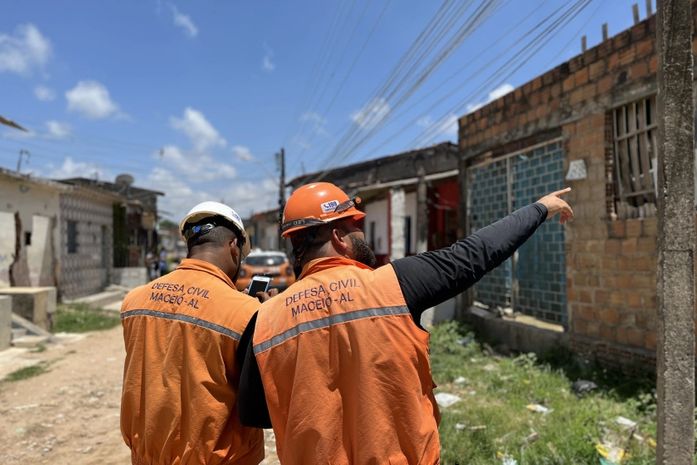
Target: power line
(353, 138)
(347, 74)
(307, 95)
(509, 68)
(468, 78)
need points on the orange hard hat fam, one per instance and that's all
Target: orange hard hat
(316, 204)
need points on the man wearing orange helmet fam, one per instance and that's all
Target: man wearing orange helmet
(339, 362)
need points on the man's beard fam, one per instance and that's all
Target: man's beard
(362, 252)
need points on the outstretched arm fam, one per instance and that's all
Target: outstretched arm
(433, 277)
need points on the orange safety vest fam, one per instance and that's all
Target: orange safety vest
(178, 405)
(345, 369)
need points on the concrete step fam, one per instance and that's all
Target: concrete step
(18, 332)
(19, 323)
(113, 307)
(99, 300)
(29, 342)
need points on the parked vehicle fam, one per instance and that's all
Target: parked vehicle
(267, 263)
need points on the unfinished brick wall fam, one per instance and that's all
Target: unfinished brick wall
(610, 263)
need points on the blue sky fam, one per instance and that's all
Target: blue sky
(194, 98)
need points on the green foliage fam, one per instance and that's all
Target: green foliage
(39, 348)
(168, 224)
(492, 420)
(82, 318)
(27, 372)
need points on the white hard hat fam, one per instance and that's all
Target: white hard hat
(209, 209)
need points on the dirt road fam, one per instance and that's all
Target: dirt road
(70, 415)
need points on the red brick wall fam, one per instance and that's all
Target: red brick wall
(611, 264)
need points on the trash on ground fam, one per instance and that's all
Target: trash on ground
(583, 387)
(445, 399)
(477, 428)
(610, 455)
(465, 341)
(626, 423)
(532, 437)
(537, 408)
(460, 426)
(460, 380)
(506, 459)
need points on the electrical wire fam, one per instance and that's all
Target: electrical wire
(509, 68)
(353, 139)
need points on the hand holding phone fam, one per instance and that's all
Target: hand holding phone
(259, 284)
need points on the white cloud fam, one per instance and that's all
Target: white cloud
(301, 142)
(72, 169)
(371, 114)
(25, 50)
(318, 122)
(199, 166)
(44, 93)
(251, 196)
(183, 192)
(184, 22)
(198, 129)
(57, 130)
(242, 153)
(267, 63)
(447, 125)
(92, 100)
(424, 121)
(499, 92)
(179, 196)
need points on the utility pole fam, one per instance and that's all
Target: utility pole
(281, 159)
(676, 235)
(22, 153)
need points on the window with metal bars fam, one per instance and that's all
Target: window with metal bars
(635, 133)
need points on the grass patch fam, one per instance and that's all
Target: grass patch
(81, 318)
(492, 421)
(38, 349)
(27, 372)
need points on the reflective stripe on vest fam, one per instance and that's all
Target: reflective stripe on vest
(179, 397)
(186, 319)
(345, 369)
(329, 321)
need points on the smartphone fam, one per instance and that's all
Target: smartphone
(259, 284)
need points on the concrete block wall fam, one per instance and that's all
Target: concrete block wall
(130, 277)
(610, 263)
(88, 270)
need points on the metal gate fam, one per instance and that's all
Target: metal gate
(534, 280)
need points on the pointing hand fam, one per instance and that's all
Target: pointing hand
(555, 205)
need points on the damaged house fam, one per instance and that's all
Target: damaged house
(66, 235)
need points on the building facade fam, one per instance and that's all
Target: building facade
(410, 199)
(65, 234)
(590, 123)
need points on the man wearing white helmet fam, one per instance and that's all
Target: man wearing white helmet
(182, 332)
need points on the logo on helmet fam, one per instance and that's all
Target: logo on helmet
(328, 207)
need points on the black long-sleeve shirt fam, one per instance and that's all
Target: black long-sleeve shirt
(426, 280)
